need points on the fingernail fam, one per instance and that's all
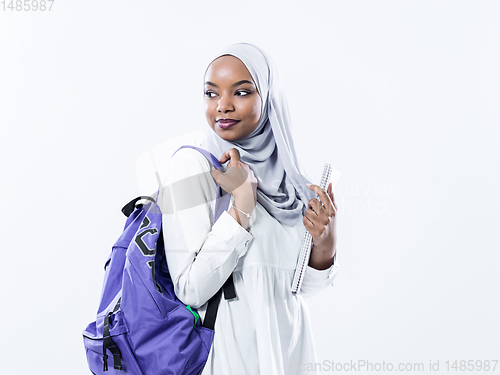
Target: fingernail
(308, 185)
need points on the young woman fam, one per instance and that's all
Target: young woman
(265, 329)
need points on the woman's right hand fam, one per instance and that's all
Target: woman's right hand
(238, 180)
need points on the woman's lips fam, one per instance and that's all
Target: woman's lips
(226, 124)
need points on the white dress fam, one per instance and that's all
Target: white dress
(265, 330)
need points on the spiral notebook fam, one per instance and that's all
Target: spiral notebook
(329, 174)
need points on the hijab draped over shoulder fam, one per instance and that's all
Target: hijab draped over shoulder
(269, 150)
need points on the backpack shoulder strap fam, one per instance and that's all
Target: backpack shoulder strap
(213, 303)
(223, 198)
(222, 203)
(130, 206)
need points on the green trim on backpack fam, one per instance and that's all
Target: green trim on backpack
(196, 316)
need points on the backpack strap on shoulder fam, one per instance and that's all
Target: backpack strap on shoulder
(228, 287)
(221, 204)
(213, 303)
(130, 206)
(211, 314)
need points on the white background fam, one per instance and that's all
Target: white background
(402, 97)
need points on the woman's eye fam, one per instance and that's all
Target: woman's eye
(242, 93)
(209, 94)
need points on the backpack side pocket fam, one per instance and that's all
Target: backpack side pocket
(94, 349)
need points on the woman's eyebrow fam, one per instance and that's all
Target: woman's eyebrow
(233, 85)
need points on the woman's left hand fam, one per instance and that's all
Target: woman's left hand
(319, 220)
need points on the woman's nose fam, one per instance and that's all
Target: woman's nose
(224, 105)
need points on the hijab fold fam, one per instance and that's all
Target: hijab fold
(269, 150)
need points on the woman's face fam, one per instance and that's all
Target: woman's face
(231, 94)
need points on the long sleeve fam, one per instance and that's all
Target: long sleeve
(316, 280)
(200, 257)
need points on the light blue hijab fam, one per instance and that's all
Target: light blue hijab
(269, 150)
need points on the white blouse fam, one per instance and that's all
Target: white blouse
(265, 329)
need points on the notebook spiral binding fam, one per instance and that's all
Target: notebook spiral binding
(305, 251)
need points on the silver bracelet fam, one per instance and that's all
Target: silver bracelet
(244, 213)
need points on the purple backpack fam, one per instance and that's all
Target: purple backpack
(142, 328)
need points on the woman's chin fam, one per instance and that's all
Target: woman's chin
(226, 135)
